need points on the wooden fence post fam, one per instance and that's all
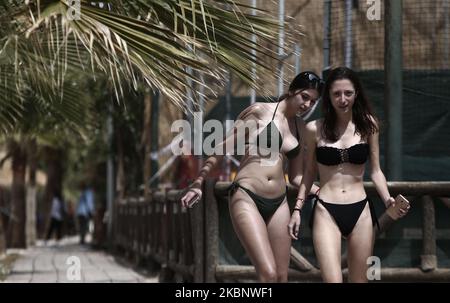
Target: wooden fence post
(196, 216)
(211, 231)
(166, 274)
(428, 258)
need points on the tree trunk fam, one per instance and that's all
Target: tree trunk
(147, 143)
(30, 229)
(55, 171)
(120, 181)
(2, 236)
(154, 135)
(16, 227)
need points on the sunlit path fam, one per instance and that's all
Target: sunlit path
(57, 263)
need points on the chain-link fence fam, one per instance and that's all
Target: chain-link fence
(357, 39)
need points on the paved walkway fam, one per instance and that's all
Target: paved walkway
(68, 262)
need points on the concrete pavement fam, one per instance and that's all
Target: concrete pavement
(69, 262)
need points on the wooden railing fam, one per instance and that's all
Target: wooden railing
(159, 230)
(185, 243)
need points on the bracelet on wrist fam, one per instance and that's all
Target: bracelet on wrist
(298, 209)
(298, 205)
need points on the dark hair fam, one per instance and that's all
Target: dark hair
(305, 80)
(363, 116)
(57, 193)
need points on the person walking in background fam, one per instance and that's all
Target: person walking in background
(85, 210)
(57, 216)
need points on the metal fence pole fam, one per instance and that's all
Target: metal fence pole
(280, 47)
(348, 33)
(252, 91)
(326, 34)
(297, 51)
(393, 88)
(446, 64)
(227, 122)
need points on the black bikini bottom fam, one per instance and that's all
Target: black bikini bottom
(266, 207)
(345, 215)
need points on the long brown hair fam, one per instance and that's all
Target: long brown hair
(363, 116)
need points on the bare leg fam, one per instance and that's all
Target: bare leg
(360, 247)
(280, 240)
(327, 245)
(252, 232)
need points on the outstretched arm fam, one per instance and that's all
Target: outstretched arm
(194, 192)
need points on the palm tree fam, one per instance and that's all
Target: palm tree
(49, 129)
(165, 44)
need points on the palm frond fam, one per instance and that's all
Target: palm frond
(209, 37)
(171, 45)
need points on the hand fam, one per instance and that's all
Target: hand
(315, 190)
(192, 196)
(404, 211)
(394, 210)
(294, 225)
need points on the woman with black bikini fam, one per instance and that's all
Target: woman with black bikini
(258, 204)
(338, 146)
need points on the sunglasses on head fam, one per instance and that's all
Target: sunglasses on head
(306, 80)
(314, 80)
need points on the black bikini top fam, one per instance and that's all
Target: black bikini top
(356, 154)
(270, 130)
